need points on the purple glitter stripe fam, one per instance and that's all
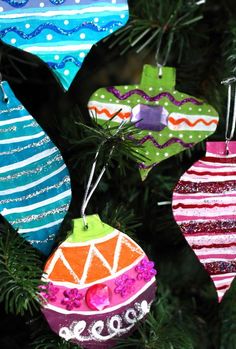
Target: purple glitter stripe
(143, 94)
(220, 267)
(166, 144)
(142, 166)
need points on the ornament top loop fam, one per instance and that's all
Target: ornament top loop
(5, 97)
(228, 136)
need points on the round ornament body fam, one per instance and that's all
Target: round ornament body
(204, 207)
(169, 121)
(100, 284)
(60, 32)
(35, 190)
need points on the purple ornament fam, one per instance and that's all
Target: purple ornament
(98, 297)
(147, 117)
(72, 299)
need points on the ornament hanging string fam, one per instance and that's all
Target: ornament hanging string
(5, 97)
(88, 194)
(230, 135)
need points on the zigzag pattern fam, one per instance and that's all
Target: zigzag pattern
(108, 114)
(189, 123)
(58, 30)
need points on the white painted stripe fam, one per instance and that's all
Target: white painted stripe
(6, 212)
(227, 275)
(92, 9)
(32, 184)
(72, 285)
(15, 120)
(223, 199)
(28, 161)
(223, 282)
(203, 212)
(222, 251)
(215, 164)
(107, 310)
(64, 48)
(222, 169)
(210, 239)
(21, 139)
(200, 126)
(94, 241)
(205, 179)
(31, 230)
(222, 156)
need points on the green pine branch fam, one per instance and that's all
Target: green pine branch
(20, 273)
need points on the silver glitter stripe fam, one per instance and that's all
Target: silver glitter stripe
(33, 171)
(32, 124)
(37, 217)
(38, 192)
(20, 107)
(48, 239)
(9, 129)
(43, 141)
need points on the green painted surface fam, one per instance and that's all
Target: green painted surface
(152, 85)
(96, 229)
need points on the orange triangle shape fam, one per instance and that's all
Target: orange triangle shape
(76, 257)
(61, 273)
(130, 251)
(96, 270)
(107, 249)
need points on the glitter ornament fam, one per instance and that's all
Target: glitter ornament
(60, 32)
(204, 207)
(103, 268)
(35, 190)
(169, 121)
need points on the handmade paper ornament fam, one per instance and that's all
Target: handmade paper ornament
(99, 285)
(60, 32)
(204, 207)
(35, 190)
(169, 121)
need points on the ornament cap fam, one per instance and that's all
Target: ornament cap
(96, 229)
(150, 77)
(220, 148)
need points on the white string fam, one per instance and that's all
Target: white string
(88, 195)
(229, 136)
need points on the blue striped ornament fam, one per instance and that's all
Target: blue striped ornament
(35, 190)
(60, 32)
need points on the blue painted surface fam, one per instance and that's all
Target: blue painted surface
(35, 190)
(60, 32)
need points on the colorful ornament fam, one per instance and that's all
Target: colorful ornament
(60, 32)
(169, 121)
(100, 294)
(35, 190)
(204, 206)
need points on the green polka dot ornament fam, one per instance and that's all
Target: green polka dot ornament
(169, 121)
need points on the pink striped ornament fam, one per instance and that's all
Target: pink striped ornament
(204, 207)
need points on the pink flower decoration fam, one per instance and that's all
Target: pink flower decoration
(145, 270)
(72, 299)
(49, 292)
(124, 285)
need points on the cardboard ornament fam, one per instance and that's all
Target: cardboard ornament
(204, 207)
(169, 121)
(99, 285)
(60, 32)
(35, 190)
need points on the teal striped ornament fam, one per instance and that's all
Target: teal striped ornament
(35, 190)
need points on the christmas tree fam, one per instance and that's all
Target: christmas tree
(198, 39)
